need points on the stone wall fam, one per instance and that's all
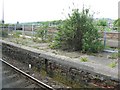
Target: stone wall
(62, 72)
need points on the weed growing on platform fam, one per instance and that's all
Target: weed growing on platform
(114, 55)
(112, 65)
(84, 59)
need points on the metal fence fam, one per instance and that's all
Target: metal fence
(28, 31)
(31, 30)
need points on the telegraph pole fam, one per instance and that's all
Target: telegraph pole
(1, 43)
(3, 15)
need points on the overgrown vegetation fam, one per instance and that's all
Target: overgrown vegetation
(17, 34)
(112, 64)
(36, 39)
(117, 24)
(3, 33)
(114, 55)
(42, 32)
(78, 32)
(102, 22)
(84, 59)
(102, 25)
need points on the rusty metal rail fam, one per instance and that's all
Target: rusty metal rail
(36, 81)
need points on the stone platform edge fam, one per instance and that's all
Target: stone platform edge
(89, 67)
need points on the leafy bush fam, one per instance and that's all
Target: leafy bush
(108, 29)
(117, 24)
(78, 32)
(3, 33)
(102, 22)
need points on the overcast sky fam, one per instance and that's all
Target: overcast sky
(43, 10)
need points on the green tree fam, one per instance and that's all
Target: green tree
(117, 23)
(78, 32)
(102, 23)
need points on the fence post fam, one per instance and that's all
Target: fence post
(15, 27)
(23, 33)
(104, 38)
(32, 31)
(8, 29)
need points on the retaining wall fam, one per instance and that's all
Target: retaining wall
(59, 68)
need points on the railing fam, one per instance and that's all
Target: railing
(30, 30)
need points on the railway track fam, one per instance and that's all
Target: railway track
(13, 77)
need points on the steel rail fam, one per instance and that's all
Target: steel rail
(38, 82)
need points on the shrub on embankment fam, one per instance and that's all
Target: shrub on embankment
(78, 32)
